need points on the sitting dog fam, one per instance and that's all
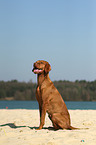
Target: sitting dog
(49, 98)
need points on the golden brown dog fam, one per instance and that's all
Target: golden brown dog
(49, 98)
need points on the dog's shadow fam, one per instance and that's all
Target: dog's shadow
(12, 125)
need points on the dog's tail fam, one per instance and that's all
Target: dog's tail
(74, 128)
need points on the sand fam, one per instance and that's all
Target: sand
(17, 127)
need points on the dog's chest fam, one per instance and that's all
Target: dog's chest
(42, 93)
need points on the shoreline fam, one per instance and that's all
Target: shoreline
(71, 105)
(17, 126)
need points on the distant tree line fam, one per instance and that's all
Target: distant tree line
(70, 91)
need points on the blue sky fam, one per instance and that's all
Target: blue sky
(62, 32)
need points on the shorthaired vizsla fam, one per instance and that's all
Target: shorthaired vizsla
(49, 98)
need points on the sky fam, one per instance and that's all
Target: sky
(62, 32)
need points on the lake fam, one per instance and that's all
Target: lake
(34, 105)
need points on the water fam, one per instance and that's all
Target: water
(34, 105)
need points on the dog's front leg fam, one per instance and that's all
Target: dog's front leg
(42, 116)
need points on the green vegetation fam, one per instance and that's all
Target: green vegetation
(70, 91)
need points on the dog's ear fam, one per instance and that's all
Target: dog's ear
(47, 68)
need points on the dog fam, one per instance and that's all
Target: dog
(49, 98)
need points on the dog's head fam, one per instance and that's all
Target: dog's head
(41, 66)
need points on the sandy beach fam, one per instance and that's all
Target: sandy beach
(19, 127)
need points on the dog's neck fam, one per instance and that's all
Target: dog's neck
(41, 78)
